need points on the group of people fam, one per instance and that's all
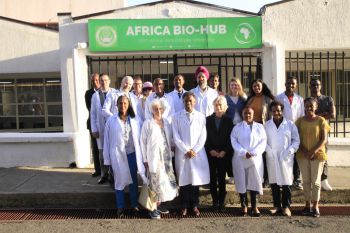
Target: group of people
(191, 138)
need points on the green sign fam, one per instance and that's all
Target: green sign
(110, 35)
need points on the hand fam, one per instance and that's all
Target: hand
(221, 154)
(213, 153)
(248, 155)
(309, 155)
(95, 135)
(190, 154)
(173, 148)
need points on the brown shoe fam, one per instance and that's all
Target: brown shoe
(196, 211)
(184, 212)
(286, 212)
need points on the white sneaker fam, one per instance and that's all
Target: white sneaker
(231, 180)
(325, 185)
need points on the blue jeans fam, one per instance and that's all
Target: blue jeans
(119, 194)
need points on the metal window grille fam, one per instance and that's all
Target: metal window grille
(333, 69)
(31, 105)
(246, 66)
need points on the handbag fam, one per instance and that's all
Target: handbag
(148, 198)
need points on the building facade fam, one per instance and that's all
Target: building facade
(304, 38)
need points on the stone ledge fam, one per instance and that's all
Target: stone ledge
(35, 137)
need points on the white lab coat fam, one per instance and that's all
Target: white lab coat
(169, 107)
(248, 173)
(282, 143)
(190, 135)
(110, 106)
(292, 111)
(149, 142)
(97, 120)
(114, 153)
(204, 101)
(177, 102)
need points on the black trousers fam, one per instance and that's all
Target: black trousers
(266, 175)
(217, 168)
(189, 195)
(286, 195)
(244, 199)
(95, 154)
(296, 171)
(228, 165)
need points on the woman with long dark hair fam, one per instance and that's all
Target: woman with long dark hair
(259, 100)
(122, 151)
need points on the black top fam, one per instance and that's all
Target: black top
(219, 139)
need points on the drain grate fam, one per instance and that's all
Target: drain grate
(65, 214)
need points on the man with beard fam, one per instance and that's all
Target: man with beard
(204, 94)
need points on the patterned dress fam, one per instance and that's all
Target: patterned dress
(163, 182)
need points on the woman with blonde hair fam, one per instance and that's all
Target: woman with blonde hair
(236, 99)
(218, 148)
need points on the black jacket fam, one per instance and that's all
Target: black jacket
(88, 96)
(219, 139)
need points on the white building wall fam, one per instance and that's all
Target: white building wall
(308, 24)
(45, 11)
(27, 48)
(169, 10)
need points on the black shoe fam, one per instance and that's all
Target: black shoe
(306, 211)
(255, 214)
(95, 174)
(120, 212)
(215, 206)
(266, 185)
(316, 213)
(297, 185)
(221, 208)
(162, 210)
(102, 180)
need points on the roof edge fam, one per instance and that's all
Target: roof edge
(165, 1)
(263, 8)
(27, 23)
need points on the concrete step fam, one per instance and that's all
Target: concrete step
(75, 188)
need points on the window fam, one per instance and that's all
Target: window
(31, 104)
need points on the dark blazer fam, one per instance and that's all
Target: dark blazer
(219, 139)
(88, 96)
